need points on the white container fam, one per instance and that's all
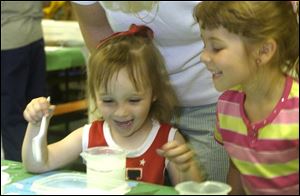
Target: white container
(71, 183)
(5, 179)
(204, 188)
(105, 167)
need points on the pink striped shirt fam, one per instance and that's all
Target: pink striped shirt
(265, 153)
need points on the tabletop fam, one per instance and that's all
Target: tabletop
(62, 33)
(21, 182)
(65, 47)
(60, 58)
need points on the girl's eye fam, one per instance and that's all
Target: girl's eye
(134, 100)
(107, 101)
(217, 49)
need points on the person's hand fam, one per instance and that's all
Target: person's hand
(180, 154)
(36, 109)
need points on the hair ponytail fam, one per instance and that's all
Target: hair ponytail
(134, 30)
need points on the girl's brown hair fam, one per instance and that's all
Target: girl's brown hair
(257, 21)
(135, 52)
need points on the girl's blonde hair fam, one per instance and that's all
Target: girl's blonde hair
(257, 21)
(145, 66)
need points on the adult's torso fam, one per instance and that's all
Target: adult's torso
(20, 23)
(177, 36)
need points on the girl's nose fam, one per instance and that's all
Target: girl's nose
(204, 57)
(121, 111)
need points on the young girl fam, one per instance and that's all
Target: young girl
(251, 49)
(129, 85)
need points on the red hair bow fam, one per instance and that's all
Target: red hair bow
(140, 30)
(295, 5)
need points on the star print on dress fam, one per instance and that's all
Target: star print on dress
(142, 162)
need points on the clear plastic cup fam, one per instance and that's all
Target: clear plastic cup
(204, 188)
(105, 167)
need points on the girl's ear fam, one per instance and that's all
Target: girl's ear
(266, 51)
(154, 98)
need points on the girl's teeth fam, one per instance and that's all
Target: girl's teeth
(217, 72)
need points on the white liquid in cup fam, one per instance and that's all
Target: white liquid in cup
(105, 167)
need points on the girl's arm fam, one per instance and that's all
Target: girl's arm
(182, 165)
(234, 180)
(93, 23)
(55, 155)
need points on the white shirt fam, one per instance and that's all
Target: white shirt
(177, 35)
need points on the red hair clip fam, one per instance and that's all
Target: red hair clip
(295, 5)
(140, 30)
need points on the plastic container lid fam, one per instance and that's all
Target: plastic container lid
(71, 184)
(204, 188)
(5, 178)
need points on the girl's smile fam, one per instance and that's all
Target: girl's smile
(216, 74)
(124, 124)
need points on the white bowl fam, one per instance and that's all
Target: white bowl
(71, 183)
(204, 188)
